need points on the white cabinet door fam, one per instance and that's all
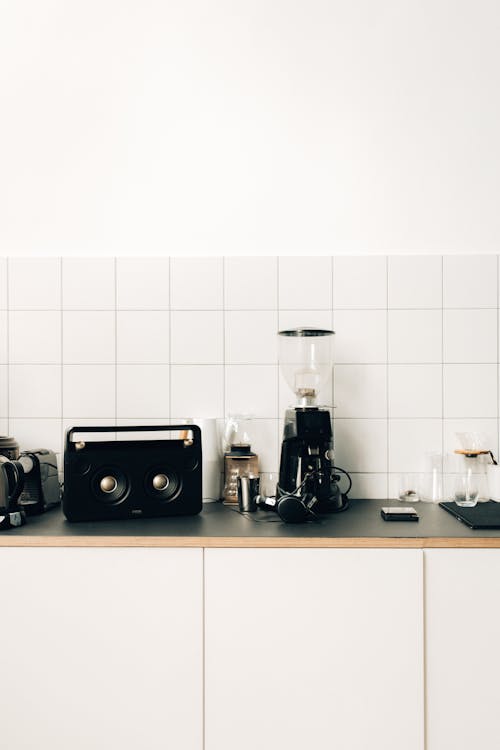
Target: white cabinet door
(462, 649)
(101, 649)
(313, 649)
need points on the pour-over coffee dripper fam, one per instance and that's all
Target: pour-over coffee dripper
(472, 474)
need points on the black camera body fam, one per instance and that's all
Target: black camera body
(41, 490)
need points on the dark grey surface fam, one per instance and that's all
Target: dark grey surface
(362, 519)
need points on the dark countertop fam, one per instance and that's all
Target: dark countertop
(217, 526)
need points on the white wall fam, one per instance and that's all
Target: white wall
(162, 126)
(106, 341)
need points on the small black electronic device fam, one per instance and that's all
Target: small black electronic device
(399, 514)
(41, 489)
(127, 478)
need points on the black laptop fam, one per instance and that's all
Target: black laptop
(482, 516)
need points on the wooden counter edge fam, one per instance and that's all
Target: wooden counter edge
(252, 542)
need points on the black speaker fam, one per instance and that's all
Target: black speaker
(106, 479)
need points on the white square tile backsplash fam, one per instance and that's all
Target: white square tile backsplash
(361, 391)
(89, 391)
(197, 337)
(88, 337)
(414, 281)
(250, 337)
(143, 391)
(415, 336)
(88, 286)
(470, 336)
(4, 337)
(259, 291)
(4, 396)
(143, 283)
(34, 391)
(305, 283)
(410, 440)
(471, 391)
(26, 344)
(197, 391)
(261, 399)
(197, 283)
(136, 340)
(34, 284)
(3, 284)
(470, 281)
(415, 391)
(359, 282)
(361, 444)
(143, 336)
(361, 336)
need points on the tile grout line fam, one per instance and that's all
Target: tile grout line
(61, 331)
(203, 649)
(169, 339)
(7, 302)
(332, 321)
(498, 363)
(278, 457)
(250, 309)
(165, 362)
(224, 404)
(424, 651)
(387, 373)
(115, 285)
(442, 373)
(340, 419)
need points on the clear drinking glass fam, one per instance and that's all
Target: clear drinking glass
(431, 487)
(268, 482)
(466, 489)
(408, 488)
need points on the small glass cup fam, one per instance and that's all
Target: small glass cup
(408, 488)
(268, 483)
(466, 489)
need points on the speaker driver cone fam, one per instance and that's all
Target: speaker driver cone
(163, 483)
(109, 485)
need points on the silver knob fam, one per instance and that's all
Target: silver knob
(108, 484)
(160, 481)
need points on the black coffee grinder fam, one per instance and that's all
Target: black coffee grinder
(308, 478)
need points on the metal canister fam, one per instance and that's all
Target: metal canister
(248, 489)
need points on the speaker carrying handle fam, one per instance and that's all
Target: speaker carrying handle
(193, 428)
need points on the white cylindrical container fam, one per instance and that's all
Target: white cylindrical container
(211, 460)
(493, 482)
